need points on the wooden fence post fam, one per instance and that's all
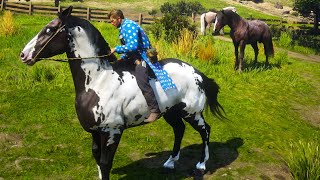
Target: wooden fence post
(88, 14)
(30, 8)
(193, 17)
(140, 19)
(59, 8)
(2, 4)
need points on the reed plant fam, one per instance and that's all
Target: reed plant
(7, 27)
(303, 160)
(185, 43)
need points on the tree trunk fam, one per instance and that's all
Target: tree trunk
(316, 21)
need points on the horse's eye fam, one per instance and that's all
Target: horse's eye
(48, 31)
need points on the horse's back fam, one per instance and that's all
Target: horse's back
(258, 30)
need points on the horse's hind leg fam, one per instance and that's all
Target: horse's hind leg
(174, 119)
(256, 51)
(198, 123)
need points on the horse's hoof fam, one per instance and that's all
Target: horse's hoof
(197, 174)
(167, 171)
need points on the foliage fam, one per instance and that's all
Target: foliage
(182, 8)
(205, 49)
(306, 6)
(153, 12)
(303, 160)
(185, 43)
(170, 26)
(7, 27)
(285, 39)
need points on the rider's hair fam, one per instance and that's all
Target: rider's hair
(116, 13)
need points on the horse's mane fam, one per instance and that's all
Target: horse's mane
(93, 33)
(236, 18)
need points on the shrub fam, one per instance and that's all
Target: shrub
(182, 8)
(285, 39)
(304, 160)
(170, 25)
(7, 27)
(205, 49)
(184, 44)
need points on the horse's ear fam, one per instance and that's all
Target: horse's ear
(65, 13)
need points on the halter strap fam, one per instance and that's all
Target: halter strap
(65, 59)
(52, 36)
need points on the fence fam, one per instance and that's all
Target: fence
(91, 14)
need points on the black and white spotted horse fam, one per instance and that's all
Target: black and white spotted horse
(108, 99)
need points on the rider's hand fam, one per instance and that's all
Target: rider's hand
(112, 50)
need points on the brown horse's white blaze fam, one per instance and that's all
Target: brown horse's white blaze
(108, 99)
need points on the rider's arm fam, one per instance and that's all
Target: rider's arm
(131, 37)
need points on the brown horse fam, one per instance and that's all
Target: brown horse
(206, 19)
(245, 32)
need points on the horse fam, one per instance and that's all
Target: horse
(206, 19)
(245, 32)
(104, 104)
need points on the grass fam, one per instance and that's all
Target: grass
(41, 138)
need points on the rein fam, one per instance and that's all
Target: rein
(64, 59)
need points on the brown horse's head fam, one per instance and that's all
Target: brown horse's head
(50, 41)
(224, 17)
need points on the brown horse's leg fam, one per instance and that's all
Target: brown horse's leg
(236, 52)
(109, 145)
(256, 51)
(241, 60)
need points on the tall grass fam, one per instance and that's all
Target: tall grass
(303, 160)
(7, 27)
(184, 44)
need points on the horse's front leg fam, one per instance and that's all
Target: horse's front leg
(241, 58)
(109, 144)
(236, 52)
(96, 149)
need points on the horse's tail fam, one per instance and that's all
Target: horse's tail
(211, 89)
(203, 24)
(269, 51)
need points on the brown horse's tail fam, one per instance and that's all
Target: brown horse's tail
(269, 51)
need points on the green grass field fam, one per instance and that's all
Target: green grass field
(269, 109)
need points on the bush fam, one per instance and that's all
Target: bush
(184, 44)
(182, 8)
(7, 27)
(304, 160)
(285, 40)
(170, 25)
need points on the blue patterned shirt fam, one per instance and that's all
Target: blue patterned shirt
(134, 42)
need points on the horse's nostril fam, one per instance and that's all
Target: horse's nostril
(22, 55)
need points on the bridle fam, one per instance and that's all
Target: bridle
(64, 59)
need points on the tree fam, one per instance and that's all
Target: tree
(306, 6)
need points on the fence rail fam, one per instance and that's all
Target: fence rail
(91, 14)
(94, 14)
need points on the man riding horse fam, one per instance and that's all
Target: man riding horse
(134, 46)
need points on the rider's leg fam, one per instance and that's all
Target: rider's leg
(141, 71)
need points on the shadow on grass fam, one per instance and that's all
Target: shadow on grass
(150, 167)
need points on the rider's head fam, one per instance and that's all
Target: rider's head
(116, 16)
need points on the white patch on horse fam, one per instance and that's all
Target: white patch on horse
(170, 162)
(202, 165)
(29, 48)
(215, 24)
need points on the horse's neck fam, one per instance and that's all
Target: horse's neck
(91, 65)
(237, 22)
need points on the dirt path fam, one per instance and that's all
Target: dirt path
(310, 58)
